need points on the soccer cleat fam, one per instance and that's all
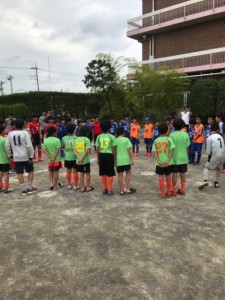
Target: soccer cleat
(222, 171)
(133, 153)
(168, 195)
(24, 193)
(60, 184)
(35, 160)
(149, 154)
(69, 187)
(203, 185)
(179, 192)
(76, 188)
(146, 153)
(216, 185)
(105, 192)
(41, 159)
(7, 191)
(197, 164)
(110, 193)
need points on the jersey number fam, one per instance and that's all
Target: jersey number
(221, 146)
(162, 147)
(80, 147)
(104, 143)
(17, 140)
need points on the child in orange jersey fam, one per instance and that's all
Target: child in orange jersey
(198, 140)
(148, 134)
(135, 136)
(163, 148)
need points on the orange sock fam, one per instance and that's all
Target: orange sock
(104, 182)
(182, 186)
(161, 186)
(174, 189)
(75, 178)
(169, 185)
(68, 178)
(110, 183)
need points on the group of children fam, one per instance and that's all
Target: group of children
(172, 144)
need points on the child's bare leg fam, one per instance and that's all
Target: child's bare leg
(183, 182)
(6, 179)
(82, 188)
(55, 180)
(51, 178)
(174, 182)
(88, 181)
(120, 181)
(21, 178)
(127, 181)
(30, 179)
(1, 176)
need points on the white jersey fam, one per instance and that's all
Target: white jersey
(185, 116)
(18, 144)
(216, 148)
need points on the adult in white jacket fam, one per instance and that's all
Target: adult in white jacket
(19, 148)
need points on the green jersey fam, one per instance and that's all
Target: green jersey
(81, 145)
(105, 142)
(3, 155)
(122, 155)
(68, 143)
(51, 145)
(162, 146)
(181, 141)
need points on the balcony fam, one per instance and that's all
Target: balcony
(186, 13)
(196, 62)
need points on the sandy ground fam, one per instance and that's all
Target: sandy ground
(68, 245)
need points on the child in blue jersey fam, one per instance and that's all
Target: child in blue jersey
(156, 133)
(126, 126)
(61, 133)
(113, 127)
(78, 128)
(191, 132)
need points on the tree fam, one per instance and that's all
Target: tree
(221, 96)
(159, 91)
(103, 75)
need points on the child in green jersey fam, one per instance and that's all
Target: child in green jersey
(68, 144)
(82, 151)
(105, 147)
(180, 155)
(163, 148)
(51, 148)
(4, 163)
(124, 160)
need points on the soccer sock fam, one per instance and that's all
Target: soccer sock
(161, 186)
(22, 187)
(174, 189)
(169, 185)
(1, 185)
(110, 183)
(68, 178)
(199, 157)
(6, 186)
(147, 148)
(39, 153)
(30, 185)
(104, 182)
(137, 148)
(34, 157)
(133, 148)
(75, 177)
(182, 186)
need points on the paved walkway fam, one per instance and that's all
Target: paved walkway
(68, 245)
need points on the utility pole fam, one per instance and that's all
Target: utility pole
(1, 86)
(36, 69)
(10, 78)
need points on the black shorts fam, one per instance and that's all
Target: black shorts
(121, 169)
(36, 139)
(4, 167)
(179, 168)
(106, 164)
(70, 164)
(84, 168)
(163, 171)
(21, 165)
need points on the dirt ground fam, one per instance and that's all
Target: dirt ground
(69, 245)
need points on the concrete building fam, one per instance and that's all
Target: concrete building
(186, 35)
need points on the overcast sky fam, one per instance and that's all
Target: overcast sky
(70, 33)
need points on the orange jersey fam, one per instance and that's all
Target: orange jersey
(199, 134)
(134, 130)
(148, 131)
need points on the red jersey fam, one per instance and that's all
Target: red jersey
(50, 125)
(96, 128)
(34, 127)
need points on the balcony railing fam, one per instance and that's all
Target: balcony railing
(191, 62)
(182, 12)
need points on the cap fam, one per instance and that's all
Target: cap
(147, 119)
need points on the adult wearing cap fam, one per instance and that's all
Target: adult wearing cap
(148, 135)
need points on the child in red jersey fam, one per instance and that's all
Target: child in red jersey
(96, 129)
(34, 127)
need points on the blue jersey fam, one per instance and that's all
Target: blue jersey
(156, 133)
(172, 129)
(78, 131)
(208, 131)
(89, 126)
(126, 127)
(191, 132)
(113, 128)
(61, 131)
